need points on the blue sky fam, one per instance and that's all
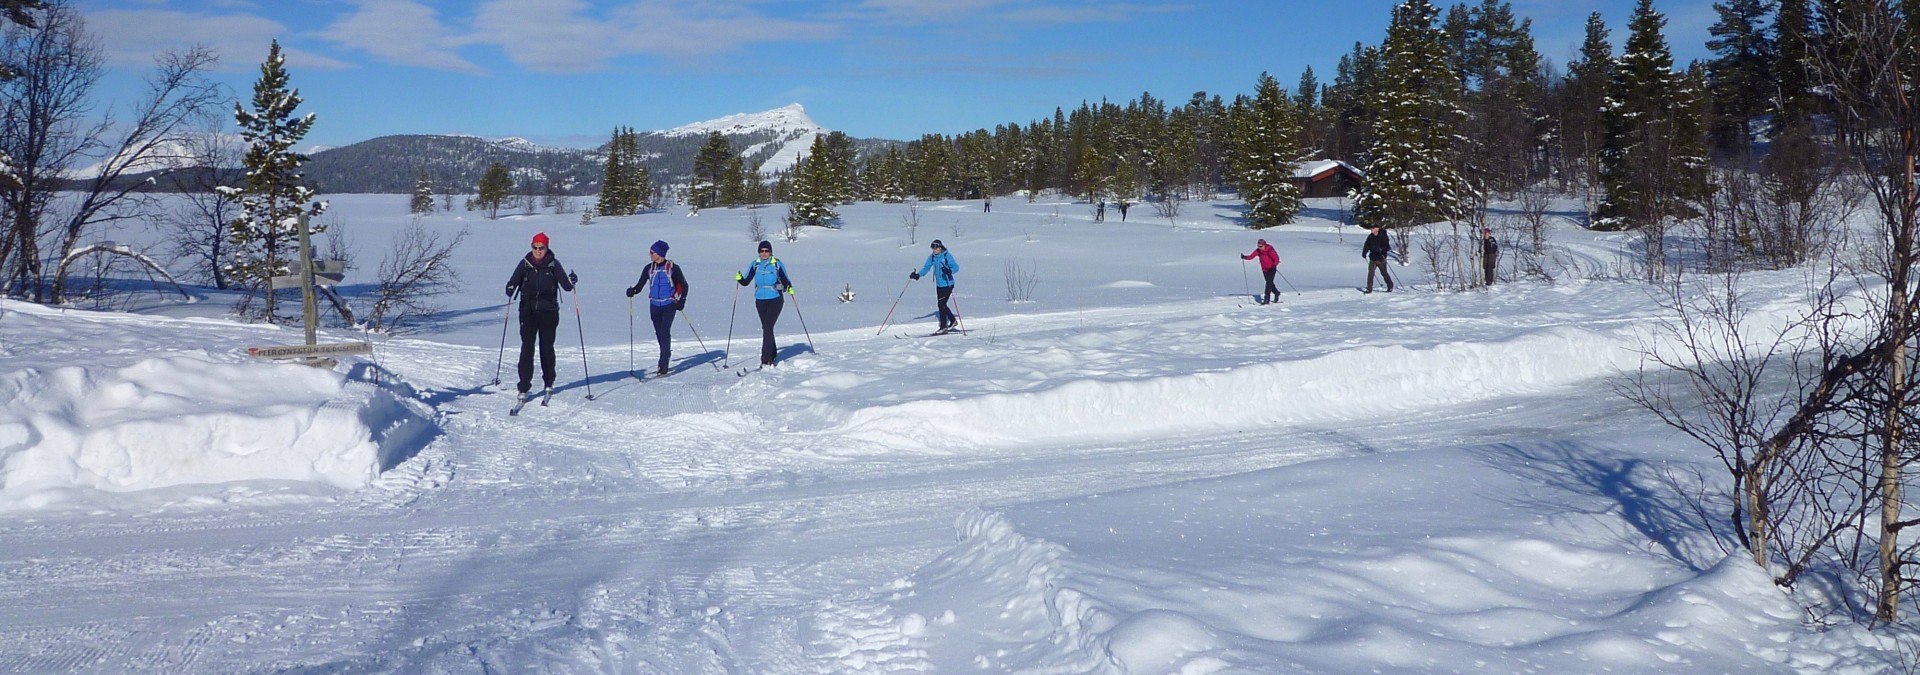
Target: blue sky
(565, 72)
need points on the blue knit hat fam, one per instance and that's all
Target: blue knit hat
(659, 248)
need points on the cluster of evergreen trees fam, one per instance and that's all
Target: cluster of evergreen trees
(626, 186)
(1452, 107)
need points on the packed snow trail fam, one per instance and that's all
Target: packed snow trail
(786, 522)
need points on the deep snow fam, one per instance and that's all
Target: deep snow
(1137, 470)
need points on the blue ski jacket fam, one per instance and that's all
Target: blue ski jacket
(768, 277)
(944, 267)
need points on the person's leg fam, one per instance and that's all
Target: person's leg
(1272, 293)
(946, 315)
(1371, 266)
(549, 330)
(663, 332)
(769, 314)
(529, 335)
(1490, 275)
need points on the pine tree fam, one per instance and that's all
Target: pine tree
(494, 186)
(265, 236)
(811, 194)
(1741, 72)
(709, 171)
(422, 195)
(615, 194)
(1583, 97)
(733, 183)
(1653, 161)
(1266, 154)
(1412, 178)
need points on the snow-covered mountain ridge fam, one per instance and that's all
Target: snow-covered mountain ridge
(789, 119)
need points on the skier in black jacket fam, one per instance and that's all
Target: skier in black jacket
(1375, 251)
(538, 280)
(1489, 253)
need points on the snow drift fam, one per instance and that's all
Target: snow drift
(188, 418)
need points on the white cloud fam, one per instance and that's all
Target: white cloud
(400, 31)
(558, 36)
(133, 37)
(547, 36)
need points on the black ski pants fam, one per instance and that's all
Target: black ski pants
(1381, 265)
(1272, 294)
(662, 316)
(537, 326)
(947, 319)
(769, 313)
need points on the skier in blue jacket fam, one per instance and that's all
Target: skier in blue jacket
(669, 294)
(769, 279)
(943, 266)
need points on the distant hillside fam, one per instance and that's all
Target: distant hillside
(772, 140)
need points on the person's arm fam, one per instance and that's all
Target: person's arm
(953, 266)
(680, 288)
(928, 265)
(780, 271)
(567, 279)
(519, 277)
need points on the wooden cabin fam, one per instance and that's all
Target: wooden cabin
(1326, 178)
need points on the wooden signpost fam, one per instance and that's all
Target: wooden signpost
(311, 273)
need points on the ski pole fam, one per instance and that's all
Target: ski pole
(630, 370)
(896, 303)
(1246, 283)
(505, 318)
(957, 318)
(580, 327)
(696, 331)
(803, 318)
(726, 356)
(1283, 277)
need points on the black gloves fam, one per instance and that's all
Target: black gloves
(913, 275)
(947, 271)
(680, 305)
(633, 291)
(573, 278)
(511, 290)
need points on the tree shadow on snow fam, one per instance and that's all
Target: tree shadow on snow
(1640, 493)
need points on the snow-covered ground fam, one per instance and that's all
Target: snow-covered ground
(1136, 470)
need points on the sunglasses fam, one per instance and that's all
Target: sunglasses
(539, 248)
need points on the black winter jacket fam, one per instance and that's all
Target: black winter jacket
(539, 283)
(1377, 246)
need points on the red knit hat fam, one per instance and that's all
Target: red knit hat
(540, 239)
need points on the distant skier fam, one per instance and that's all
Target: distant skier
(669, 295)
(1123, 210)
(1375, 251)
(1489, 253)
(943, 266)
(1100, 212)
(538, 280)
(988, 205)
(769, 278)
(1269, 264)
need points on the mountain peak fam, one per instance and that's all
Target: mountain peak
(789, 118)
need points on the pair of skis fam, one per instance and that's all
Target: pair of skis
(520, 401)
(937, 333)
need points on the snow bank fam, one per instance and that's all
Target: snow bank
(1328, 386)
(185, 419)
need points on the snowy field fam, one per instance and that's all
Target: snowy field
(1135, 471)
